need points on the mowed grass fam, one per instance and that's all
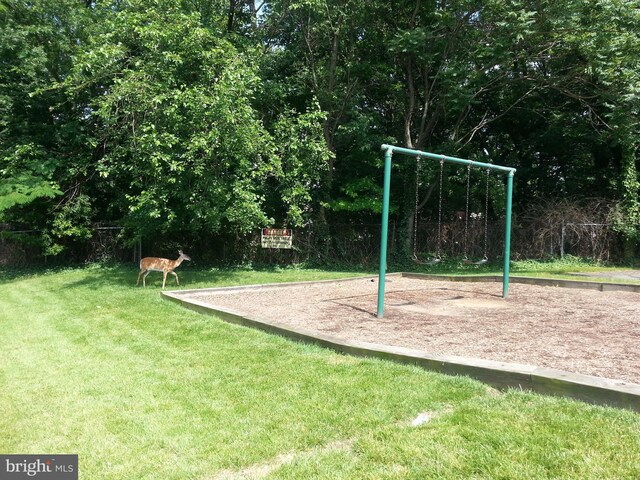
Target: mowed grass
(141, 388)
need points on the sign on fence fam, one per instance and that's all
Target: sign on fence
(276, 238)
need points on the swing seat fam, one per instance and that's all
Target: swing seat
(479, 262)
(431, 261)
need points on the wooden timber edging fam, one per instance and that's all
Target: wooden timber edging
(545, 282)
(501, 375)
(261, 286)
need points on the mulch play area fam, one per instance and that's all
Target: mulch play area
(582, 331)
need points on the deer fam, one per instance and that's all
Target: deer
(164, 265)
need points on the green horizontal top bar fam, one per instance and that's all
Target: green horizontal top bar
(435, 156)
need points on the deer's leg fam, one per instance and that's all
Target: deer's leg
(175, 275)
(164, 278)
(144, 278)
(141, 272)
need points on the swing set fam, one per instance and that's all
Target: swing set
(467, 214)
(508, 171)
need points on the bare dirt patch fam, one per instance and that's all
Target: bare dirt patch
(582, 331)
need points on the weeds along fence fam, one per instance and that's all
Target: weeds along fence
(353, 244)
(582, 228)
(348, 244)
(25, 247)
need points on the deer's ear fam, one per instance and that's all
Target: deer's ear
(179, 252)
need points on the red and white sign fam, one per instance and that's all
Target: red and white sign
(276, 238)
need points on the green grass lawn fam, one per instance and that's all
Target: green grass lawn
(141, 388)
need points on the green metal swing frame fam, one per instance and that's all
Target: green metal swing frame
(389, 150)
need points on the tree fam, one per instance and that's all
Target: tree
(180, 147)
(317, 57)
(43, 154)
(187, 118)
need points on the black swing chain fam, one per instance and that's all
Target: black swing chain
(466, 216)
(415, 214)
(486, 212)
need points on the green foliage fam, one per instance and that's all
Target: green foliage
(177, 131)
(34, 51)
(610, 65)
(70, 224)
(361, 194)
(303, 162)
(183, 119)
(26, 176)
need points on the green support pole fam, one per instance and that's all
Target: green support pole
(507, 237)
(385, 229)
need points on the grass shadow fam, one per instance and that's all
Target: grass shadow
(190, 276)
(96, 276)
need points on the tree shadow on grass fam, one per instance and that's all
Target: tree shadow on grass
(13, 274)
(191, 276)
(94, 275)
(127, 276)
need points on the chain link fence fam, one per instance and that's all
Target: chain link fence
(25, 247)
(541, 234)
